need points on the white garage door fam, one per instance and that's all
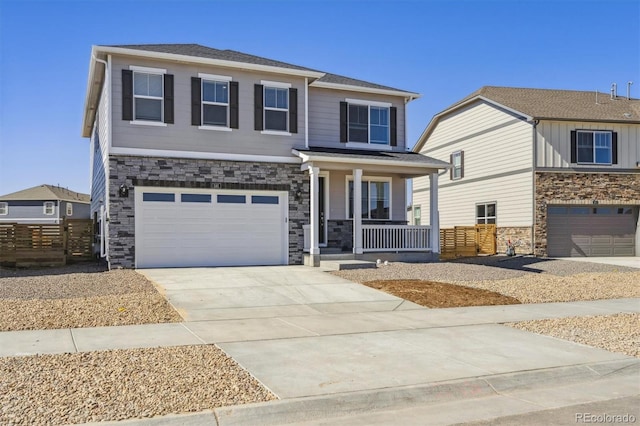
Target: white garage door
(189, 227)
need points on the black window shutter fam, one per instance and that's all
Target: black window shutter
(574, 147)
(393, 128)
(168, 98)
(614, 147)
(461, 164)
(127, 95)
(343, 122)
(196, 104)
(451, 169)
(233, 105)
(258, 107)
(293, 110)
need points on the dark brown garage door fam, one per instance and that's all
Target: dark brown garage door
(574, 231)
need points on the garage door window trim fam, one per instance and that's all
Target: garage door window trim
(195, 198)
(166, 197)
(231, 199)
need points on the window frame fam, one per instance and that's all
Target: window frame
(369, 179)
(69, 209)
(417, 215)
(594, 148)
(454, 168)
(4, 208)
(212, 78)
(369, 105)
(277, 86)
(150, 71)
(486, 217)
(46, 205)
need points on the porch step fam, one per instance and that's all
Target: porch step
(341, 265)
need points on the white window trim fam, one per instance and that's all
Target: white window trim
(69, 209)
(369, 104)
(453, 167)
(4, 208)
(214, 79)
(594, 132)
(389, 179)
(53, 208)
(475, 213)
(275, 85)
(147, 70)
(417, 209)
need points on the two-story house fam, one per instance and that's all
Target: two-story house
(207, 157)
(43, 204)
(557, 171)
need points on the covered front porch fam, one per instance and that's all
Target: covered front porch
(375, 227)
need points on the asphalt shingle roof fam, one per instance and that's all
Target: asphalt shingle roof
(408, 157)
(200, 51)
(47, 192)
(561, 104)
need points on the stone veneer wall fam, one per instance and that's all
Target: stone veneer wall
(580, 188)
(520, 236)
(193, 173)
(340, 234)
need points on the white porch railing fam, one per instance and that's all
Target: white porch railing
(306, 229)
(396, 238)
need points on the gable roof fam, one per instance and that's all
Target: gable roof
(548, 104)
(47, 193)
(196, 53)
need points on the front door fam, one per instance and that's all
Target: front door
(322, 237)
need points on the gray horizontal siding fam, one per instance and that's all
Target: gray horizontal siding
(182, 136)
(29, 210)
(324, 115)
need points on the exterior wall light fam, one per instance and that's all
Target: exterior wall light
(123, 191)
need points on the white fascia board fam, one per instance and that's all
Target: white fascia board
(423, 137)
(208, 61)
(87, 122)
(349, 87)
(369, 161)
(203, 155)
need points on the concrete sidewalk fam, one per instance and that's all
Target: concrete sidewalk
(247, 330)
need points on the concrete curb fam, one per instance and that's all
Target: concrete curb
(345, 404)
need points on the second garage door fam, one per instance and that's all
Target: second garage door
(179, 228)
(591, 231)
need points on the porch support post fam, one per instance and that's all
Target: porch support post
(434, 216)
(357, 211)
(314, 250)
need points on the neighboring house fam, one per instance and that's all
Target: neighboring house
(205, 157)
(558, 171)
(43, 204)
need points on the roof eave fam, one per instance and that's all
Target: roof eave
(307, 157)
(209, 61)
(90, 107)
(588, 120)
(350, 87)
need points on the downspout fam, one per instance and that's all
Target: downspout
(533, 183)
(306, 112)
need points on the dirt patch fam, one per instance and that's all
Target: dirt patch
(441, 295)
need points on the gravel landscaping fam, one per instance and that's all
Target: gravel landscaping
(616, 333)
(121, 384)
(83, 295)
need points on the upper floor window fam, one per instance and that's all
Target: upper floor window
(276, 107)
(69, 209)
(375, 199)
(214, 102)
(457, 165)
(594, 147)
(49, 208)
(147, 95)
(368, 122)
(486, 213)
(4, 208)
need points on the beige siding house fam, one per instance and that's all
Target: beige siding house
(558, 172)
(208, 157)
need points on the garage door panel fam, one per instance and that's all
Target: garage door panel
(211, 229)
(586, 231)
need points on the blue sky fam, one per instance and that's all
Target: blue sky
(441, 49)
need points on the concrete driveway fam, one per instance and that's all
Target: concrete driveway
(631, 262)
(306, 333)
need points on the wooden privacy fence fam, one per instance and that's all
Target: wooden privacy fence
(467, 241)
(46, 244)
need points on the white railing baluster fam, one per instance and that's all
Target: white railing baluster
(396, 238)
